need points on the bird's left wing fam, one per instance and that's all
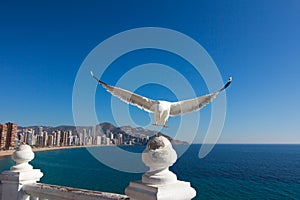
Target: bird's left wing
(129, 97)
(191, 105)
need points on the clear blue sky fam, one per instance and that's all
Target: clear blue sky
(43, 44)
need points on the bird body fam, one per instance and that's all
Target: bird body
(162, 113)
(162, 109)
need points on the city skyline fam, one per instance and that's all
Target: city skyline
(44, 44)
(104, 134)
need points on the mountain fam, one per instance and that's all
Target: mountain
(139, 131)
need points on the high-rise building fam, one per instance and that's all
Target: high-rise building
(84, 136)
(69, 138)
(45, 139)
(11, 135)
(50, 140)
(107, 141)
(21, 137)
(111, 135)
(54, 133)
(29, 137)
(81, 139)
(99, 130)
(94, 133)
(120, 139)
(103, 139)
(98, 140)
(3, 134)
(75, 140)
(8, 135)
(64, 139)
(39, 140)
(57, 138)
(40, 131)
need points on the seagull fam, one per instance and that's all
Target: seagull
(162, 109)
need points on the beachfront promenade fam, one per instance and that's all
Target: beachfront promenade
(21, 181)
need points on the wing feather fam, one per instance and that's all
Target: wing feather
(129, 97)
(191, 105)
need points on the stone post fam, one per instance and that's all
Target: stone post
(20, 174)
(159, 183)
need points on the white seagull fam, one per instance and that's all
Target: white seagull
(162, 109)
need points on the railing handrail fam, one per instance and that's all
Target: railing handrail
(56, 192)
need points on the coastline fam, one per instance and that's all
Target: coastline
(10, 152)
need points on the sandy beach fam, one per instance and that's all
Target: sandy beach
(10, 152)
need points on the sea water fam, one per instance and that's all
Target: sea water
(228, 172)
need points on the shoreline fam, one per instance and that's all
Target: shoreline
(10, 152)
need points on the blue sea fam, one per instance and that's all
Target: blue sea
(228, 172)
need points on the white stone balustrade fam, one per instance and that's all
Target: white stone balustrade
(159, 183)
(55, 192)
(20, 174)
(20, 182)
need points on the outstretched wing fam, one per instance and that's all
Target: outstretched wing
(192, 105)
(129, 97)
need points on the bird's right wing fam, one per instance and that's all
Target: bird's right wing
(129, 97)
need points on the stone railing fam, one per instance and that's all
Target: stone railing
(20, 182)
(45, 191)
